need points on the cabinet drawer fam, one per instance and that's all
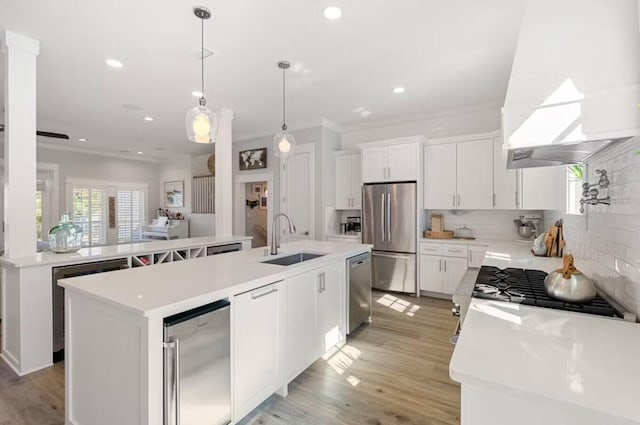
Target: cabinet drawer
(455, 251)
(431, 248)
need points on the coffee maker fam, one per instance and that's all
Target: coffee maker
(352, 226)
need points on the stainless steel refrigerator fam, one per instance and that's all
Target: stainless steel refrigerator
(389, 223)
(197, 367)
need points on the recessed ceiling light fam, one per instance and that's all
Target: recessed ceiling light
(148, 118)
(398, 89)
(332, 12)
(196, 93)
(365, 113)
(82, 140)
(358, 109)
(114, 63)
(139, 152)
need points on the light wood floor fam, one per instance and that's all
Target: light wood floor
(394, 371)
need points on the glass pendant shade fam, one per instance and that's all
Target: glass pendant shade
(284, 144)
(202, 124)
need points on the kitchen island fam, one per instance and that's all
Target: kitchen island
(531, 365)
(114, 342)
(28, 289)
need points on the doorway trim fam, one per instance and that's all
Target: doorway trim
(240, 195)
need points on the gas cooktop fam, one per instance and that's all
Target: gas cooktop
(527, 287)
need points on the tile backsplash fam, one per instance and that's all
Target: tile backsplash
(485, 224)
(606, 239)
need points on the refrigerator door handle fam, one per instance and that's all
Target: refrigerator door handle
(172, 388)
(382, 217)
(389, 217)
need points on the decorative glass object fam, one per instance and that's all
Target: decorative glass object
(66, 236)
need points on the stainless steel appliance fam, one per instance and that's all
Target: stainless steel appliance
(58, 295)
(389, 223)
(222, 249)
(197, 366)
(358, 290)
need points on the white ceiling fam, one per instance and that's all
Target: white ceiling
(448, 54)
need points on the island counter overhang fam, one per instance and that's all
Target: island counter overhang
(115, 324)
(27, 342)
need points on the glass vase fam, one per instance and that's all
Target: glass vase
(66, 236)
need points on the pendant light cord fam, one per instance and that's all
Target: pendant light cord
(202, 54)
(284, 101)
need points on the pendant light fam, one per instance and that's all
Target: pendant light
(283, 142)
(201, 122)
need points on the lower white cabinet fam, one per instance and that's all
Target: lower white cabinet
(453, 270)
(442, 266)
(476, 255)
(314, 315)
(257, 345)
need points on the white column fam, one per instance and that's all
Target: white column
(224, 174)
(19, 144)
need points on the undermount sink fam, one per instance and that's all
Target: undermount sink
(293, 259)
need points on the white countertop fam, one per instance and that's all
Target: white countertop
(170, 288)
(114, 251)
(586, 360)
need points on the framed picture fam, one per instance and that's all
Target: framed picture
(253, 159)
(174, 194)
(263, 196)
(257, 189)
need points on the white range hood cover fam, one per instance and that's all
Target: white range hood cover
(575, 79)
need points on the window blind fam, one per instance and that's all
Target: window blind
(89, 213)
(203, 195)
(130, 213)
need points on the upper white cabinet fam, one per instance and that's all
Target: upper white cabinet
(391, 160)
(459, 175)
(348, 181)
(440, 176)
(505, 188)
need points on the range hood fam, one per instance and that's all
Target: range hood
(575, 82)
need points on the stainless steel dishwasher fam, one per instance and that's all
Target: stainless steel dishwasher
(197, 366)
(358, 290)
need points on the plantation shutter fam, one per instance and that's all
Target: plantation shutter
(88, 210)
(130, 215)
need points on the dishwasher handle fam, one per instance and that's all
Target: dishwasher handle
(172, 386)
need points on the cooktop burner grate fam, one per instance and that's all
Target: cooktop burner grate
(527, 287)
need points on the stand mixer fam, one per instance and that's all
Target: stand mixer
(527, 226)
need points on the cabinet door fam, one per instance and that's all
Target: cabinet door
(403, 162)
(504, 180)
(440, 176)
(330, 287)
(476, 255)
(454, 270)
(301, 322)
(356, 182)
(475, 175)
(256, 330)
(343, 182)
(374, 165)
(543, 188)
(431, 274)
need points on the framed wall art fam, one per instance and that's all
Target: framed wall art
(174, 194)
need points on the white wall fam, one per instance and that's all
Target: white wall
(452, 123)
(606, 239)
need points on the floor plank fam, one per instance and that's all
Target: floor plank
(392, 372)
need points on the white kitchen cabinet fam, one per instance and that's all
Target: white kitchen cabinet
(542, 188)
(330, 287)
(476, 255)
(348, 181)
(431, 277)
(505, 189)
(302, 344)
(374, 164)
(315, 310)
(394, 162)
(441, 274)
(459, 175)
(440, 176)
(475, 175)
(453, 271)
(257, 346)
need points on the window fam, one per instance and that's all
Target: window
(130, 207)
(88, 210)
(575, 175)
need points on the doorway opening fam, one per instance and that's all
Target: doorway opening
(256, 207)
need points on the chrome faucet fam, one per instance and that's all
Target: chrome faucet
(275, 234)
